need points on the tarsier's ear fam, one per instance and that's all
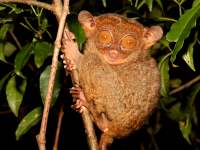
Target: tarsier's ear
(87, 21)
(152, 35)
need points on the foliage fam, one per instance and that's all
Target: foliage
(27, 34)
(31, 119)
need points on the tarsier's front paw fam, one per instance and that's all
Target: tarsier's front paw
(68, 64)
(80, 100)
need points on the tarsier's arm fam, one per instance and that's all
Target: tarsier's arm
(70, 49)
(71, 56)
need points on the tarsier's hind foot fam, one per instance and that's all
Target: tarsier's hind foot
(79, 97)
(105, 141)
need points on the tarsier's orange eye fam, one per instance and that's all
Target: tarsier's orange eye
(105, 38)
(128, 42)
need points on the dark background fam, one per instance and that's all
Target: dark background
(73, 137)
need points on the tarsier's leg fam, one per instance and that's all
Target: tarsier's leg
(105, 141)
(77, 92)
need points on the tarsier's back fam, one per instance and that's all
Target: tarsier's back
(120, 81)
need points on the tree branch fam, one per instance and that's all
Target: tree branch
(15, 39)
(59, 124)
(58, 8)
(41, 137)
(70, 51)
(186, 85)
(31, 2)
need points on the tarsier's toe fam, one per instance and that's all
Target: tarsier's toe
(79, 97)
(78, 105)
(77, 93)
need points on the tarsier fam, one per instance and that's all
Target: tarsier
(119, 81)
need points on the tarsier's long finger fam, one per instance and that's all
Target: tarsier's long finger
(76, 96)
(75, 89)
(74, 93)
(68, 64)
(77, 106)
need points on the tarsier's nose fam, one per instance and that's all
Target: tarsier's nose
(115, 45)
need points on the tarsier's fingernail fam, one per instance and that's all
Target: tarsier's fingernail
(65, 66)
(64, 62)
(105, 130)
(81, 110)
(62, 56)
(70, 90)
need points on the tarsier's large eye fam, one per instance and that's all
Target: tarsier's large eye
(105, 38)
(128, 42)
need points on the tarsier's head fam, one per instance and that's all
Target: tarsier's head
(117, 38)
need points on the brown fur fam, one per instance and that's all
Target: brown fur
(120, 97)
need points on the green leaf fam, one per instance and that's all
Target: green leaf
(181, 29)
(14, 8)
(164, 70)
(175, 83)
(9, 49)
(75, 27)
(185, 128)
(3, 80)
(104, 3)
(42, 50)
(44, 80)
(30, 120)
(149, 4)
(194, 91)
(175, 113)
(195, 3)
(14, 93)
(3, 31)
(156, 13)
(131, 2)
(188, 56)
(2, 57)
(165, 101)
(22, 58)
(160, 4)
(190, 107)
(2, 8)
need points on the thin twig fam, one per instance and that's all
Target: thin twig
(41, 137)
(30, 2)
(186, 85)
(60, 116)
(70, 50)
(89, 129)
(15, 39)
(57, 8)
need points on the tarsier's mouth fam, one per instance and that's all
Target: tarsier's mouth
(113, 57)
(114, 54)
